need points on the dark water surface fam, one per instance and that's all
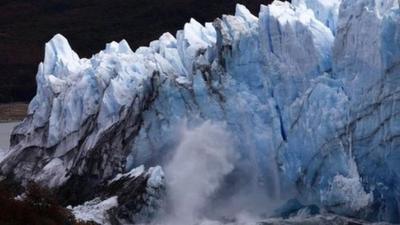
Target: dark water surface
(5, 131)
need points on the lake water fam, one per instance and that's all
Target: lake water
(5, 131)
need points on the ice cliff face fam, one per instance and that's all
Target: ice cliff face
(308, 92)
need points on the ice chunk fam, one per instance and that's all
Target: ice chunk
(326, 11)
(156, 177)
(131, 174)
(59, 55)
(57, 85)
(244, 13)
(95, 210)
(348, 193)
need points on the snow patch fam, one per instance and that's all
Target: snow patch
(131, 174)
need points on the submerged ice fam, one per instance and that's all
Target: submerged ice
(307, 94)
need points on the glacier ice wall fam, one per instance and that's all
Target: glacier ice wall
(308, 92)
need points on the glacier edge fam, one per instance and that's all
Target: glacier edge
(308, 91)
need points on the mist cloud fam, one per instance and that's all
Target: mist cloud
(203, 158)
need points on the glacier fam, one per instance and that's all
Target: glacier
(307, 93)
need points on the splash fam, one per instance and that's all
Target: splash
(210, 182)
(196, 171)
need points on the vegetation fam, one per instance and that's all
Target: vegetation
(37, 207)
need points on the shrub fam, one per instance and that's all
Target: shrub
(37, 207)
